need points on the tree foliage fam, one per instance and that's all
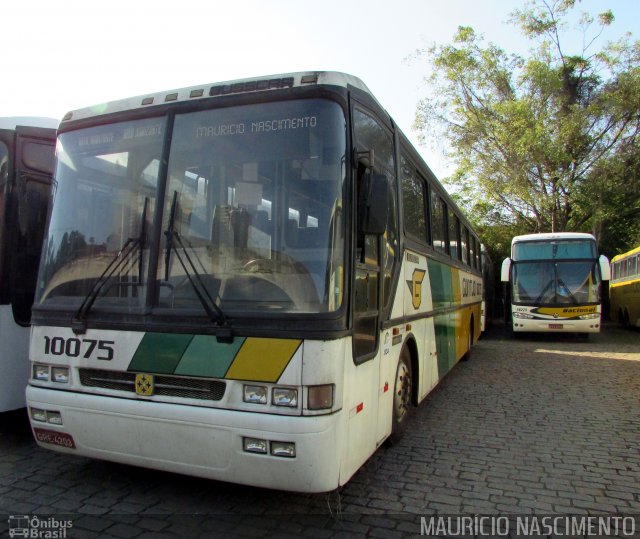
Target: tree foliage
(543, 143)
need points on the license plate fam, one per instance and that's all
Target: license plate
(55, 438)
(555, 326)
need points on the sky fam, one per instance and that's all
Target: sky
(61, 55)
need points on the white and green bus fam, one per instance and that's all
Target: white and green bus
(554, 282)
(252, 281)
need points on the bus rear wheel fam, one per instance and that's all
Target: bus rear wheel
(402, 397)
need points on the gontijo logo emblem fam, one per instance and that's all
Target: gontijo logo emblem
(415, 285)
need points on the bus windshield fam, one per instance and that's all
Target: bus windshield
(249, 204)
(556, 282)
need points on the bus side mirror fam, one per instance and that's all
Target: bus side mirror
(374, 203)
(505, 270)
(605, 268)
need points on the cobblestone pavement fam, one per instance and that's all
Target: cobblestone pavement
(537, 425)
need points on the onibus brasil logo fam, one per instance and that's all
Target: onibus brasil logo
(38, 527)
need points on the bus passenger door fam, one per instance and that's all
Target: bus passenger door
(375, 254)
(365, 311)
(35, 150)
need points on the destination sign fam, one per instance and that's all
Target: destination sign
(126, 133)
(263, 126)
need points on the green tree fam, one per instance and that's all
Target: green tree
(541, 143)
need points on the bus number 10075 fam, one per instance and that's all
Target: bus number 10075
(85, 348)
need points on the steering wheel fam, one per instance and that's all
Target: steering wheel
(259, 265)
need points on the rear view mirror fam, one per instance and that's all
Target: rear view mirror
(605, 268)
(505, 270)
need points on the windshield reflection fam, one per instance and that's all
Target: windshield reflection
(105, 178)
(556, 283)
(258, 193)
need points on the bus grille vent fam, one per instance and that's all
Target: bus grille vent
(170, 386)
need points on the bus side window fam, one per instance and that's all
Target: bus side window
(438, 223)
(465, 245)
(413, 199)
(454, 235)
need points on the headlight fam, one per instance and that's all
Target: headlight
(592, 316)
(522, 315)
(55, 418)
(41, 372)
(60, 375)
(38, 415)
(283, 396)
(254, 445)
(255, 394)
(283, 449)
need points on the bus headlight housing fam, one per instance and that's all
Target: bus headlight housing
(522, 315)
(55, 418)
(284, 396)
(255, 394)
(255, 445)
(41, 372)
(39, 415)
(591, 316)
(60, 375)
(283, 449)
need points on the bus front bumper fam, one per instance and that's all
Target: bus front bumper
(556, 326)
(198, 441)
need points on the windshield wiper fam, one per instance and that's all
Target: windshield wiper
(215, 313)
(79, 322)
(544, 291)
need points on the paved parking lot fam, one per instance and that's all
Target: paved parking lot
(541, 425)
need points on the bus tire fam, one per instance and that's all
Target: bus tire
(402, 397)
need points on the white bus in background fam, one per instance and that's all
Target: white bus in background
(27, 146)
(554, 281)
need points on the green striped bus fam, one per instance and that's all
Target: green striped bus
(252, 281)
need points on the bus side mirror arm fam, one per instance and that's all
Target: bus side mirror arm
(366, 158)
(605, 268)
(505, 271)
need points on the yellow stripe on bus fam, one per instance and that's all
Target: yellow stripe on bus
(263, 360)
(566, 312)
(618, 283)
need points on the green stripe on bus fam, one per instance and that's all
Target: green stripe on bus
(205, 356)
(441, 289)
(159, 353)
(444, 326)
